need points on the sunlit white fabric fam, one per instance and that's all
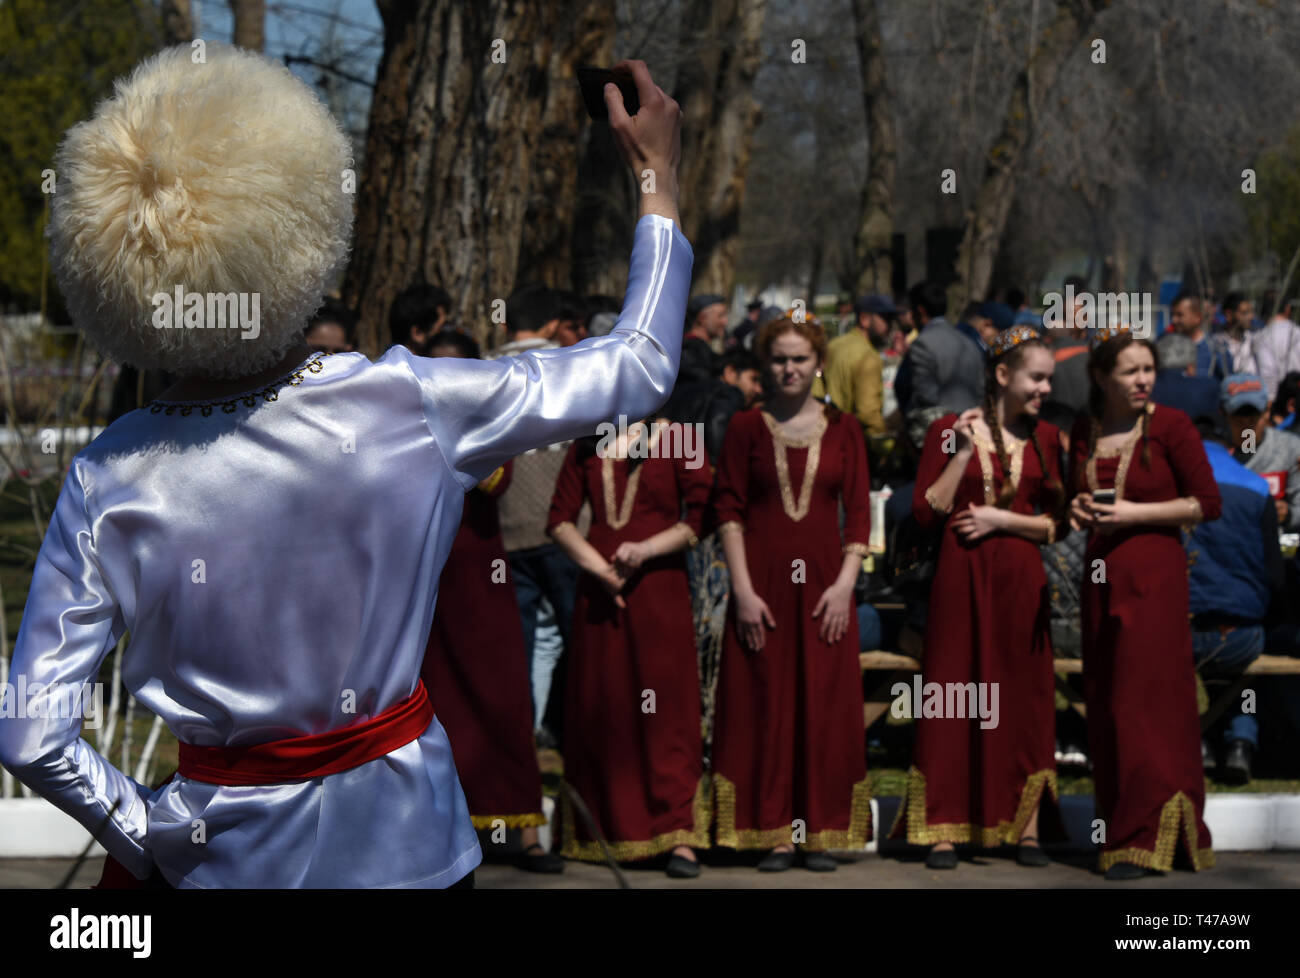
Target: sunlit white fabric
(322, 521)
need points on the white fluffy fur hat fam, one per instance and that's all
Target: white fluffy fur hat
(220, 176)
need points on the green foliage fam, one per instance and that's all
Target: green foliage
(57, 59)
(1275, 209)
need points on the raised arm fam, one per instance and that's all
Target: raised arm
(70, 622)
(484, 412)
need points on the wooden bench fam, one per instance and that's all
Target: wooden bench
(900, 667)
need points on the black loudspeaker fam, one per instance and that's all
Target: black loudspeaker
(898, 280)
(941, 248)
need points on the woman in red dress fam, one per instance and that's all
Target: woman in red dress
(1139, 680)
(632, 738)
(982, 763)
(789, 756)
(476, 668)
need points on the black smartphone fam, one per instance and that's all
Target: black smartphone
(592, 81)
(1105, 496)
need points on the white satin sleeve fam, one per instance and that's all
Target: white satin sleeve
(483, 412)
(70, 623)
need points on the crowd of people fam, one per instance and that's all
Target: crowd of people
(681, 616)
(730, 600)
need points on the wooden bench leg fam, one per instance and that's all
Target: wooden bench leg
(882, 697)
(1222, 702)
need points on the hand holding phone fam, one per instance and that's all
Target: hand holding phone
(592, 81)
(648, 135)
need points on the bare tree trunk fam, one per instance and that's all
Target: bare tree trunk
(720, 52)
(874, 241)
(546, 251)
(250, 23)
(602, 226)
(177, 22)
(448, 154)
(986, 222)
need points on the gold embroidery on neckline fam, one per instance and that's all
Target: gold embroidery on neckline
(813, 442)
(617, 516)
(228, 406)
(985, 450)
(1125, 453)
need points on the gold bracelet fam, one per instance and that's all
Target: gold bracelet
(691, 538)
(1051, 531)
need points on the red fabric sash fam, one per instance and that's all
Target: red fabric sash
(313, 756)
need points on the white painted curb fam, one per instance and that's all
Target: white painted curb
(32, 828)
(1253, 823)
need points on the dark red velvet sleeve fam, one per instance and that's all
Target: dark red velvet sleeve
(857, 483)
(1049, 439)
(933, 460)
(570, 491)
(1191, 468)
(693, 486)
(731, 491)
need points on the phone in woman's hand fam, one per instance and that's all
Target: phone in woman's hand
(1104, 496)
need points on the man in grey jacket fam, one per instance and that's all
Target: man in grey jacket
(946, 369)
(1266, 451)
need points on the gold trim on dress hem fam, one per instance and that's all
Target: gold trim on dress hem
(1178, 811)
(731, 526)
(912, 808)
(696, 837)
(855, 836)
(532, 819)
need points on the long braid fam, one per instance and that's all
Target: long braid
(1006, 491)
(1146, 444)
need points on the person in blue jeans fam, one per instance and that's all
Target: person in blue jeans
(1235, 569)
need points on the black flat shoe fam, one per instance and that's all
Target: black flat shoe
(1031, 855)
(681, 868)
(1126, 871)
(819, 862)
(941, 859)
(777, 862)
(1208, 760)
(535, 859)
